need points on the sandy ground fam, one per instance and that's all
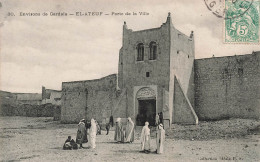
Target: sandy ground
(41, 139)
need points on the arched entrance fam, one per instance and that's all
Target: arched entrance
(146, 98)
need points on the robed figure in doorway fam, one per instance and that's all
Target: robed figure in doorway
(145, 138)
(129, 133)
(92, 133)
(118, 131)
(81, 133)
(157, 119)
(160, 138)
(161, 117)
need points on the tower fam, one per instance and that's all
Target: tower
(155, 74)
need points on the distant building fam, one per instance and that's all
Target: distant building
(48, 96)
(158, 73)
(51, 96)
(28, 98)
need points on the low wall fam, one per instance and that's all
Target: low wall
(46, 110)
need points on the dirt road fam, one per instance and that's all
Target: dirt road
(41, 139)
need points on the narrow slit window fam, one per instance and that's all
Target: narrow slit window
(240, 72)
(153, 51)
(140, 52)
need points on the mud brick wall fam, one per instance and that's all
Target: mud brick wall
(88, 99)
(120, 105)
(7, 110)
(228, 87)
(57, 113)
(7, 99)
(46, 110)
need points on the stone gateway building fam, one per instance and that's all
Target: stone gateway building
(158, 73)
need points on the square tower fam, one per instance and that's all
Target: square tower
(152, 63)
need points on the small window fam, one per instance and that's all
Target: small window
(147, 74)
(140, 52)
(240, 71)
(226, 71)
(153, 51)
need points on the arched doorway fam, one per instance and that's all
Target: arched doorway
(146, 98)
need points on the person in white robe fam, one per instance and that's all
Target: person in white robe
(92, 134)
(160, 138)
(123, 139)
(157, 119)
(118, 131)
(145, 138)
(129, 133)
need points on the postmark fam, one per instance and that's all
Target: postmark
(241, 23)
(216, 7)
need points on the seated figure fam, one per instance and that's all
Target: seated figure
(70, 144)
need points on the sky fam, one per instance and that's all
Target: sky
(45, 51)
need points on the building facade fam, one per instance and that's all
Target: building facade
(158, 73)
(151, 62)
(28, 98)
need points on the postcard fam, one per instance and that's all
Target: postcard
(118, 80)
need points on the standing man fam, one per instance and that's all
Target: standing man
(118, 131)
(81, 133)
(145, 138)
(98, 128)
(129, 133)
(160, 138)
(111, 120)
(107, 128)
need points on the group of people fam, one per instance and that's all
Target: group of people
(123, 134)
(85, 130)
(146, 139)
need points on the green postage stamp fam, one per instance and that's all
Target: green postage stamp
(241, 21)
